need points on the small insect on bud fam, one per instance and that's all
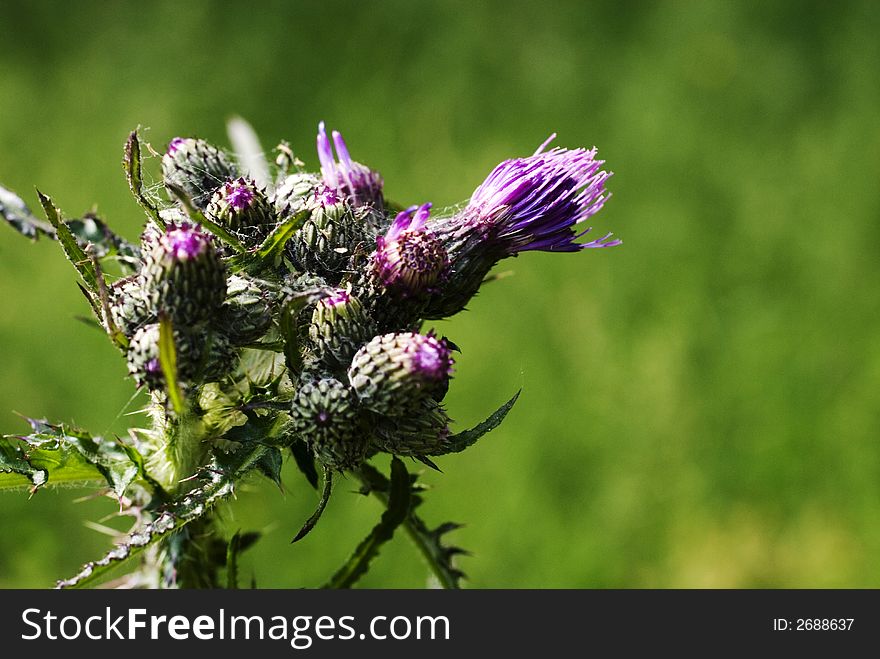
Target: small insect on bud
(196, 169)
(183, 275)
(325, 415)
(410, 260)
(393, 373)
(240, 206)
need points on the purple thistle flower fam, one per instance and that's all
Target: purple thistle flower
(185, 241)
(358, 182)
(337, 298)
(535, 203)
(409, 258)
(239, 194)
(431, 358)
(175, 144)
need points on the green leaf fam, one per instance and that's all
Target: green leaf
(322, 504)
(305, 461)
(218, 483)
(270, 251)
(460, 441)
(429, 542)
(168, 362)
(398, 507)
(55, 454)
(21, 218)
(71, 247)
(270, 465)
(131, 163)
(91, 230)
(233, 549)
(290, 334)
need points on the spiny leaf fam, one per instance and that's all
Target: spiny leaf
(269, 253)
(63, 454)
(396, 512)
(131, 163)
(429, 542)
(460, 441)
(305, 461)
(21, 218)
(218, 483)
(233, 549)
(91, 230)
(270, 465)
(168, 362)
(71, 247)
(322, 504)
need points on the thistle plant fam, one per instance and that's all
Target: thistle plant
(273, 312)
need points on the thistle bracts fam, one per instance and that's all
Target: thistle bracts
(244, 209)
(184, 277)
(394, 373)
(196, 169)
(339, 327)
(325, 415)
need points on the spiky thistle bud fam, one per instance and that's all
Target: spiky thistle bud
(243, 208)
(325, 415)
(196, 168)
(295, 193)
(246, 315)
(339, 327)
(325, 242)
(410, 261)
(183, 275)
(393, 373)
(199, 357)
(129, 307)
(423, 432)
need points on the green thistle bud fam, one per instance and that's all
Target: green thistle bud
(129, 306)
(327, 239)
(295, 193)
(339, 327)
(201, 358)
(196, 168)
(246, 315)
(183, 275)
(244, 209)
(423, 432)
(325, 415)
(394, 373)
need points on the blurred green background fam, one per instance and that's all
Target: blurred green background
(701, 406)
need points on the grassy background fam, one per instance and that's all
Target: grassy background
(700, 405)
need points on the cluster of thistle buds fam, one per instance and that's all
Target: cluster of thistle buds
(322, 271)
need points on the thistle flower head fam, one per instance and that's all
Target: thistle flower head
(242, 207)
(184, 241)
(357, 182)
(324, 415)
(183, 275)
(409, 259)
(394, 372)
(194, 168)
(535, 203)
